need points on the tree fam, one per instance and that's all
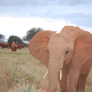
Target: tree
(30, 33)
(15, 39)
(2, 37)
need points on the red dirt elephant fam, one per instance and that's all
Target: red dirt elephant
(19, 47)
(68, 56)
(5, 45)
(14, 46)
(22, 45)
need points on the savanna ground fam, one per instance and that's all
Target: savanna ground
(21, 72)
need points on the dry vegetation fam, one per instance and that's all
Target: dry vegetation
(21, 72)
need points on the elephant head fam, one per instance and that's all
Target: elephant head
(58, 49)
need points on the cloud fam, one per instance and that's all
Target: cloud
(19, 26)
(77, 12)
(78, 18)
(42, 2)
(77, 2)
(78, 15)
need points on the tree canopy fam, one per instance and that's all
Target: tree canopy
(2, 37)
(30, 33)
(15, 39)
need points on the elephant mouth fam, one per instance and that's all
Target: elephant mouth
(47, 73)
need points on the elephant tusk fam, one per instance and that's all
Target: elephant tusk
(60, 74)
(45, 74)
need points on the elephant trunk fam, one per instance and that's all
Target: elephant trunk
(54, 71)
(53, 81)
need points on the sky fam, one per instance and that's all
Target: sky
(19, 16)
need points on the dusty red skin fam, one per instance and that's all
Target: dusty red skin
(14, 46)
(70, 50)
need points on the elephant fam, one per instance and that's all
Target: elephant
(68, 53)
(0, 44)
(18, 47)
(14, 46)
(5, 45)
(22, 45)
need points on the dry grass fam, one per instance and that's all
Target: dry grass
(20, 69)
(14, 66)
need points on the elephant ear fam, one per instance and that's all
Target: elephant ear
(38, 46)
(68, 29)
(82, 47)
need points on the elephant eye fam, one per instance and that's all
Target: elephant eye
(66, 52)
(47, 51)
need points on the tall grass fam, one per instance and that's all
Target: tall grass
(21, 72)
(20, 68)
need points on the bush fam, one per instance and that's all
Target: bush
(15, 77)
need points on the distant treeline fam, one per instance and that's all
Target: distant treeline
(29, 34)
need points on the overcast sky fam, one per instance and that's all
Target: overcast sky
(18, 16)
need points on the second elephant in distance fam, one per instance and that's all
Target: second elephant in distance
(69, 51)
(5, 45)
(14, 46)
(22, 45)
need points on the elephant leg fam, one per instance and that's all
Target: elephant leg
(63, 81)
(1, 47)
(73, 79)
(82, 81)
